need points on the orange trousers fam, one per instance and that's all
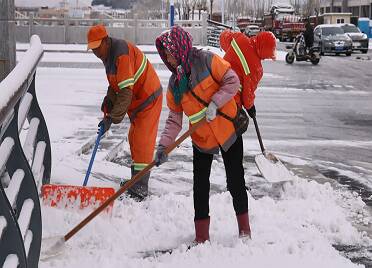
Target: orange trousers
(142, 134)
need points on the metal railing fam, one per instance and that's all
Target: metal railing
(22, 168)
(213, 32)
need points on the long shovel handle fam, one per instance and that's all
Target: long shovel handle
(258, 135)
(131, 182)
(93, 156)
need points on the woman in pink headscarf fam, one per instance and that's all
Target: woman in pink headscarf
(203, 85)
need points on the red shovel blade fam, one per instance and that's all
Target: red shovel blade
(71, 196)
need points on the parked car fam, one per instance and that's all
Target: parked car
(360, 40)
(330, 38)
(251, 30)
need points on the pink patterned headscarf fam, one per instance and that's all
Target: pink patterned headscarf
(178, 42)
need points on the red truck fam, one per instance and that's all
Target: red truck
(283, 22)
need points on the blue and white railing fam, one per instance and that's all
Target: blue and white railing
(23, 168)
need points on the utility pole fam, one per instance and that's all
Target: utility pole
(171, 10)
(7, 41)
(223, 11)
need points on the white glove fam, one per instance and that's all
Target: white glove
(211, 111)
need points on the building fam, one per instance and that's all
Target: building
(335, 18)
(357, 8)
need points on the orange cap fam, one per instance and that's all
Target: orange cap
(95, 35)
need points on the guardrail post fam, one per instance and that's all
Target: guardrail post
(27, 191)
(65, 23)
(204, 38)
(135, 28)
(30, 25)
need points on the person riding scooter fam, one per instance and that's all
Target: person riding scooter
(300, 52)
(309, 36)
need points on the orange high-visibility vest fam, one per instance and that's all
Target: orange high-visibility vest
(207, 71)
(128, 67)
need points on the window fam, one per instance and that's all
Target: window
(340, 21)
(354, 11)
(365, 11)
(332, 30)
(349, 28)
(336, 9)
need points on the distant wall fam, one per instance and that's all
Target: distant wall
(141, 32)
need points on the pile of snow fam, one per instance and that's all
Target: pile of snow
(296, 231)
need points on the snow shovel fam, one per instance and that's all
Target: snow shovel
(270, 167)
(54, 245)
(71, 196)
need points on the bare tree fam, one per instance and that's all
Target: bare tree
(201, 5)
(177, 5)
(211, 7)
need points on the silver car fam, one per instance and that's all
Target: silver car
(360, 40)
(330, 38)
(251, 30)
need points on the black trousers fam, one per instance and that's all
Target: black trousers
(233, 161)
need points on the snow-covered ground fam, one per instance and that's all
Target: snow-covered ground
(291, 227)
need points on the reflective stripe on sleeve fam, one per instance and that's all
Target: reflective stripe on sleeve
(241, 57)
(197, 116)
(141, 69)
(126, 83)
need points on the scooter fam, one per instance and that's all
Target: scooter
(299, 52)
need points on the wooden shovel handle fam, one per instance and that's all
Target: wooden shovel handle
(258, 135)
(131, 182)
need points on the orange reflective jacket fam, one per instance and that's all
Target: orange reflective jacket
(245, 55)
(127, 67)
(207, 71)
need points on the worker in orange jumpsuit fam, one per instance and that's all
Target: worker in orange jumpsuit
(134, 89)
(245, 55)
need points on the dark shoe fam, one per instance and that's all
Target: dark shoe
(132, 194)
(140, 190)
(243, 224)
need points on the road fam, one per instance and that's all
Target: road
(322, 113)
